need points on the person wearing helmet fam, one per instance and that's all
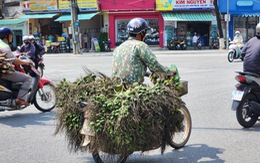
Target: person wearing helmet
(132, 58)
(251, 53)
(6, 37)
(238, 40)
(39, 50)
(27, 48)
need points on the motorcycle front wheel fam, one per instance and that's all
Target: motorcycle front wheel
(45, 98)
(179, 139)
(98, 158)
(245, 116)
(231, 55)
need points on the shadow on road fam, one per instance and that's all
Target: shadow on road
(256, 127)
(188, 154)
(22, 119)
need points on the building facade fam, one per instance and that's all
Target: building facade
(244, 16)
(184, 18)
(117, 15)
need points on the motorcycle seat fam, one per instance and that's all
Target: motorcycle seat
(249, 73)
(10, 85)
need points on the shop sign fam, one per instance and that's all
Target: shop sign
(84, 5)
(36, 5)
(168, 5)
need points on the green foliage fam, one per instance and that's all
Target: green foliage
(124, 119)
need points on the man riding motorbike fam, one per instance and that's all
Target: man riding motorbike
(27, 48)
(39, 50)
(251, 53)
(130, 62)
(132, 58)
(6, 36)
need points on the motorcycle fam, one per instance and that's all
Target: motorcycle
(234, 52)
(107, 45)
(41, 94)
(214, 44)
(177, 141)
(176, 45)
(183, 45)
(41, 66)
(246, 98)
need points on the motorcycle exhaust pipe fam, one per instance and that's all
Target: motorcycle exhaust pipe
(255, 107)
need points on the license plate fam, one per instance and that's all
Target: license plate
(237, 95)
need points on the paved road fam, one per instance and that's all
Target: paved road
(27, 136)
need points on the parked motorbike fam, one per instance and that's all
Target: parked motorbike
(214, 44)
(183, 45)
(234, 52)
(199, 45)
(246, 98)
(42, 92)
(107, 45)
(176, 45)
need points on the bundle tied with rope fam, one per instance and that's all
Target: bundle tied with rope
(123, 119)
(5, 66)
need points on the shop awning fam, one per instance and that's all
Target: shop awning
(12, 21)
(85, 16)
(37, 16)
(188, 16)
(251, 15)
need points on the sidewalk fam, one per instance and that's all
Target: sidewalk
(156, 50)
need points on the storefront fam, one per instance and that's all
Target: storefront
(18, 27)
(244, 16)
(41, 18)
(118, 26)
(89, 20)
(116, 16)
(184, 18)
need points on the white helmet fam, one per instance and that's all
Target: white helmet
(25, 38)
(257, 29)
(31, 37)
(237, 32)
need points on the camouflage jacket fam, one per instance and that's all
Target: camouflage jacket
(131, 60)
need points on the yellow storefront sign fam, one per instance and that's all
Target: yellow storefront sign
(85, 5)
(36, 5)
(164, 5)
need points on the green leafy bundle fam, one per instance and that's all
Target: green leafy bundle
(124, 120)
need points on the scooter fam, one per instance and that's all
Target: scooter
(183, 45)
(214, 44)
(107, 45)
(246, 98)
(42, 91)
(234, 52)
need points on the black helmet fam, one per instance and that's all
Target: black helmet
(5, 31)
(137, 25)
(258, 29)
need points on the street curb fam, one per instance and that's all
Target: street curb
(156, 51)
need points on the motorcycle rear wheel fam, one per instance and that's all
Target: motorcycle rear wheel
(179, 139)
(98, 159)
(45, 99)
(245, 117)
(231, 56)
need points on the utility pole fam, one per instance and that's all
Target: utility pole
(75, 26)
(227, 38)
